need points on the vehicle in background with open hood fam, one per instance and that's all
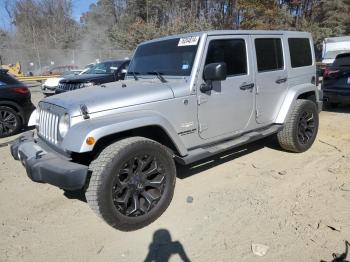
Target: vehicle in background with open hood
(101, 73)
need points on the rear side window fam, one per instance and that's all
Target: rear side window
(300, 52)
(342, 60)
(269, 54)
(230, 51)
(6, 79)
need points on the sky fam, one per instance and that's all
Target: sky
(79, 7)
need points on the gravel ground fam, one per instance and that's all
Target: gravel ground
(295, 204)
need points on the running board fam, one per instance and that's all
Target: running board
(204, 152)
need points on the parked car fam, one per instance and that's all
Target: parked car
(50, 85)
(186, 98)
(15, 105)
(59, 70)
(100, 73)
(332, 47)
(336, 81)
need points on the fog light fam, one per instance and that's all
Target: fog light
(90, 140)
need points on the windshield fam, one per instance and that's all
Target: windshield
(104, 68)
(333, 54)
(172, 57)
(342, 60)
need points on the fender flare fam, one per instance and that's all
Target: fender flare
(290, 99)
(75, 140)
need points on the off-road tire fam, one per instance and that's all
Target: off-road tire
(288, 137)
(17, 120)
(105, 170)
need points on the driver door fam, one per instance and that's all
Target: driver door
(229, 106)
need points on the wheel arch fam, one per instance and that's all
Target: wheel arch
(305, 91)
(107, 130)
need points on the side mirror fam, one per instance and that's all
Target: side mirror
(122, 73)
(213, 72)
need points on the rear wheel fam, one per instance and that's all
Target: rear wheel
(300, 130)
(132, 183)
(10, 122)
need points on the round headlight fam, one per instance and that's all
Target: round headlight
(63, 125)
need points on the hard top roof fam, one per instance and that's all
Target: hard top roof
(337, 39)
(233, 32)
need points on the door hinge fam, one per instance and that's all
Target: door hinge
(202, 100)
(202, 128)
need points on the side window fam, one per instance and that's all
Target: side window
(300, 52)
(269, 54)
(230, 51)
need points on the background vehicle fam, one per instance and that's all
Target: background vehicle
(15, 105)
(50, 85)
(336, 81)
(100, 73)
(186, 98)
(59, 70)
(332, 47)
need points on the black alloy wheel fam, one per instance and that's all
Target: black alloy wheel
(306, 127)
(138, 185)
(9, 122)
(132, 182)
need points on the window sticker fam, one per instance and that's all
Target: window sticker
(187, 41)
(185, 67)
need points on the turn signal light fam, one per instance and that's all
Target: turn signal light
(90, 141)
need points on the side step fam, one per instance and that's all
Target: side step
(208, 151)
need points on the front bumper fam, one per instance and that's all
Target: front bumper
(49, 89)
(44, 165)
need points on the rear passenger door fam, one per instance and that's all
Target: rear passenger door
(271, 76)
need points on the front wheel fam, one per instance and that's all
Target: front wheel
(132, 183)
(300, 130)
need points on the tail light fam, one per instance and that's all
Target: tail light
(21, 90)
(328, 72)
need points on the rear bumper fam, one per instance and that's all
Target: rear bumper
(47, 166)
(336, 96)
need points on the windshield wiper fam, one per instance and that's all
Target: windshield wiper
(159, 76)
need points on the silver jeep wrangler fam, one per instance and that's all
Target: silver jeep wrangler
(185, 98)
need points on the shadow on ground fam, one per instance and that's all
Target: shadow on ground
(162, 248)
(342, 257)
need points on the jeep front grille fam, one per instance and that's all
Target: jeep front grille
(48, 122)
(69, 87)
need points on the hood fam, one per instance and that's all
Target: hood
(112, 96)
(52, 82)
(84, 78)
(328, 61)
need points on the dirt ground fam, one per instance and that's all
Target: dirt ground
(296, 204)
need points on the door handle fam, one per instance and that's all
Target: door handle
(281, 80)
(247, 87)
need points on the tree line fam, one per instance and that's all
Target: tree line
(39, 25)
